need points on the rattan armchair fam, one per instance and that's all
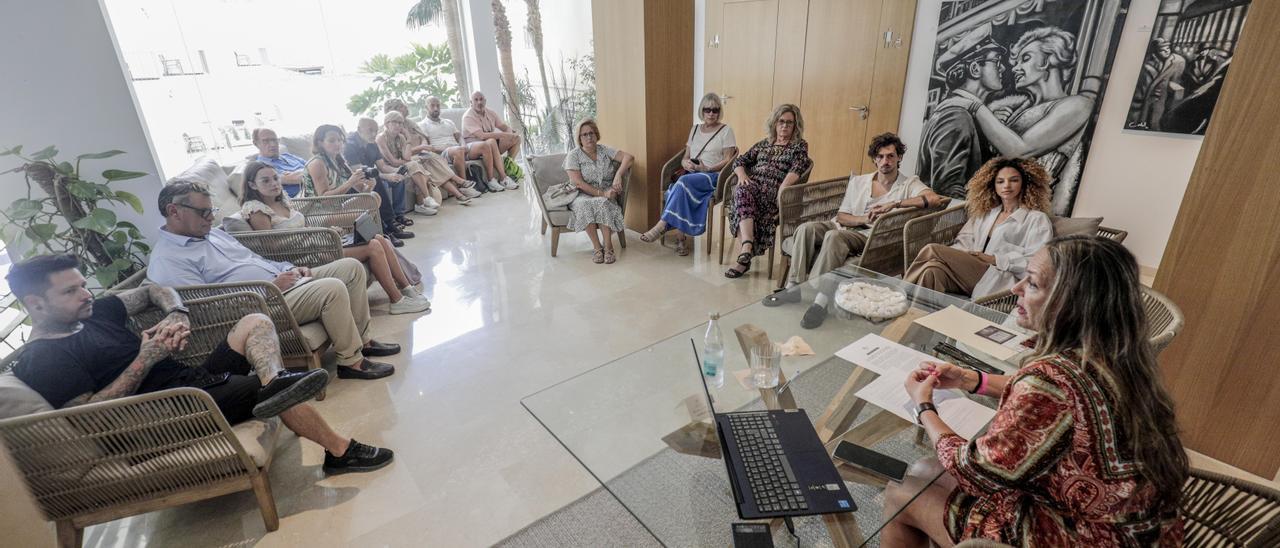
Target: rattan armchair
(1164, 318)
(1220, 510)
(547, 171)
(104, 461)
(669, 168)
(800, 202)
(339, 211)
(940, 227)
(884, 248)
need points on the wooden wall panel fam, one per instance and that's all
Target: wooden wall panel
(890, 79)
(1222, 265)
(789, 55)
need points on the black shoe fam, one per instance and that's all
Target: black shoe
(358, 458)
(287, 390)
(402, 234)
(369, 370)
(376, 349)
(402, 220)
(813, 317)
(782, 296)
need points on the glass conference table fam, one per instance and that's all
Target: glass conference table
(641, 426)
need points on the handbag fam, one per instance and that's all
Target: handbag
(560, 196)
(679, 172)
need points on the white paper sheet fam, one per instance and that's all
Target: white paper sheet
(966, 417)
(880, 355)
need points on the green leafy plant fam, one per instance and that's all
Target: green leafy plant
(412, 77)
(69, 217)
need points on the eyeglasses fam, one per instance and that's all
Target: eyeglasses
(269, 141)
(711, 110)
(590, 134)
(206, 212)
(786, 122)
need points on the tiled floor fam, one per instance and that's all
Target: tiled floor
(471, 465)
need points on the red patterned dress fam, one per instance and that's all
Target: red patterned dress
(1051, 469)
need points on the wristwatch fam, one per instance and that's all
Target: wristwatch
(922, 408)
(179, 308)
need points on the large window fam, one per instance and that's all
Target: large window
(206, 73)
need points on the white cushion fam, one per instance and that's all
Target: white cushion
(17, 399)
(315, 334)
(258, 438)
(297, 145)
(225, 197)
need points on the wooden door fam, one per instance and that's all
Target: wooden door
(893, 48)
(840, 57)
(747, 39)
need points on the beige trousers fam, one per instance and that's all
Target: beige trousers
(818, 247)
(338, 299)
(946, 270)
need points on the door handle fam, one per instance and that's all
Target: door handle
(726, 98)
(862, 111)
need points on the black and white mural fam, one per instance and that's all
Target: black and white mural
(1191, 46)
(1017, 78)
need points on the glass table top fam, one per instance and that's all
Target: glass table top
(641, 425)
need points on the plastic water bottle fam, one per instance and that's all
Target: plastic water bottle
(713, 352)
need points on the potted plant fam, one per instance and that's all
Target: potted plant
(70, 218)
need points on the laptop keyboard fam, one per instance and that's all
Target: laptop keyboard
(768, 471)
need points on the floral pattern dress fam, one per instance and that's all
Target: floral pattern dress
(766, 165)
(1053, 468)
(587, 209)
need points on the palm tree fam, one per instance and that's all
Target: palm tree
(534, 27)
(425, 12)
(502, 31)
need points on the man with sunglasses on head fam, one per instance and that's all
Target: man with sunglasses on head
(189, 251)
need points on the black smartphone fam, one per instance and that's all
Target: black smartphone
(695, 161)
(209, 381)
(875, 463)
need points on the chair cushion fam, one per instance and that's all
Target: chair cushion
(1066, 226)
(17, 399)
(559, 217)
(258, 438)
(208, 171)
(548, 171)
(297, 145)
(234, 223)
(315, 334)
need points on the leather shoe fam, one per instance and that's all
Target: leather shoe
(402, 234)
(395, 242)
(401, 219)
(368, 370)
(376, 349)
(287, 390)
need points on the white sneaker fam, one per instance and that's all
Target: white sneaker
(431, 203)
(424, 210)
(509, 184)
(494, 186)
(408, 305)
(463, 200)
(412, 292)
(470, 192)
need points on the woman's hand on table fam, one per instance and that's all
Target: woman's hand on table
(920, 384)
(949, 375)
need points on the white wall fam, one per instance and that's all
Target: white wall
(65, 86)
(1133, 179)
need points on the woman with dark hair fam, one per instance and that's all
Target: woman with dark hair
(596, 208)
(327, 166)
(1084, 447)
(264, 206)
(1007, 201)
(765, 169)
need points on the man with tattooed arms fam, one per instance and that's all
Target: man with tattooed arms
(81, 351)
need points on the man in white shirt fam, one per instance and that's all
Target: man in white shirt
(819, 247)
(444, 139)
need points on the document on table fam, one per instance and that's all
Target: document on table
(880, 355)
(998, 341)
(965, 416)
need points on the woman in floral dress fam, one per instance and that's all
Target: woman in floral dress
(763, 170)
(597, 207)
(1083, 449)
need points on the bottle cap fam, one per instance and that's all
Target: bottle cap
(715, 315)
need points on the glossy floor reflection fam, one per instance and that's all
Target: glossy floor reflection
(471, 465)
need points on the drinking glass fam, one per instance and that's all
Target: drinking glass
(766, 363)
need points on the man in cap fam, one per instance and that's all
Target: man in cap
(953, 147)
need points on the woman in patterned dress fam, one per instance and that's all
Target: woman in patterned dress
(763, 170)
(1083, 449)
(590, 167)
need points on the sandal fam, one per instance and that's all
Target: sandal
(744, 259)
(682, 247)
(609, 258)
(733, 274)
(652, 234)
(598, 256)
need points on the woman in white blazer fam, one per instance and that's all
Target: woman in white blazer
(1007, 201)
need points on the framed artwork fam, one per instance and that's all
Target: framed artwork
(1192, 42)
(1017, 78)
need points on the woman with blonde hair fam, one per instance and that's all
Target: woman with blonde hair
(711, 146)
(1008, 201)
(769, 166)
(590, 168)
(1083, 449)
(396, 146)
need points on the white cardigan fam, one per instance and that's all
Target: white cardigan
(1012, 243)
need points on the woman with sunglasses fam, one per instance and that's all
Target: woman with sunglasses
(711, 146)
(769, 166)
(264, 206)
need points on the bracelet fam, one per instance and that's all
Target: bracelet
(982, 384)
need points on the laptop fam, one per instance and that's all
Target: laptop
(777, 465)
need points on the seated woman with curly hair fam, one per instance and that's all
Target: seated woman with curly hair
(1007, 201)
